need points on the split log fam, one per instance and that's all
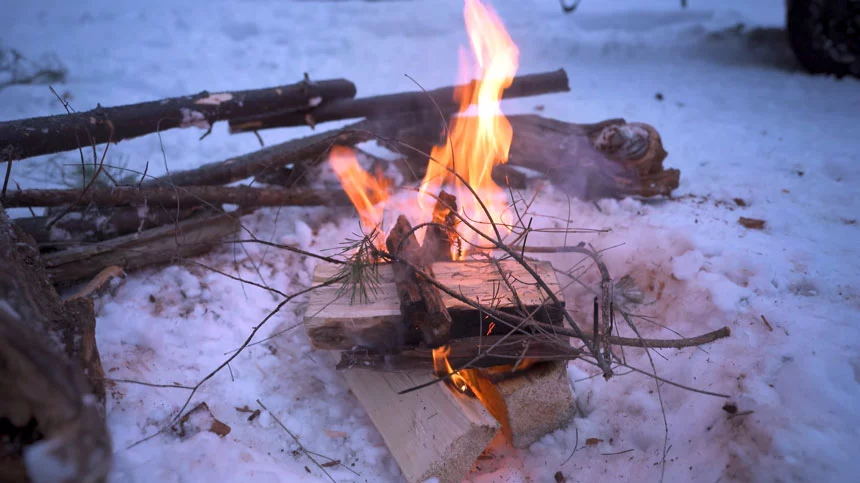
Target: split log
(336, 324)
(441, 236)
(157, 246)
(100, 224)
(176, 197)
(611, 158)
(51, 417)
(51, 134)
(420, 303)
(432, 433)
(369, 107)
(494, 351)
(529, 403)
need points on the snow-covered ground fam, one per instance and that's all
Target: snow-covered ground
(737, 118)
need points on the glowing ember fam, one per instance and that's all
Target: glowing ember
(477, 143)
(366, 192)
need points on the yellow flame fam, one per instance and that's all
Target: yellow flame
(441, 367)
(366, 192)
(477, 143)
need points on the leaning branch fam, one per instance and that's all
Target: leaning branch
(444, 98)
(52, 134)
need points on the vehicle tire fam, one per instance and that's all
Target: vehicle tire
(825, 35)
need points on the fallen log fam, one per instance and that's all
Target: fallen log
(51, 134)
(334, 323)
(611, 158)
(420, 303)
(176, 197)
(165, 244)
(53, 426)
(369, 107)
(100, 224)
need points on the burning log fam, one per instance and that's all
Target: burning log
(181, 196)
(522, 86)
(420, 303)
(432, 433)
(336, 324)
(165, 244)
(441, 236)
(493, 351)
(529, 403)
(612, 158)
(45, 135)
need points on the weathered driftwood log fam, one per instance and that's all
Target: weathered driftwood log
(313, 148)
(51, 418)
(51, 134)
(165, 244)
(612, 158)
(494, 351)
(101, 223)
(336, 324)
(181, 197)
(420, 303)
(433, 432)
(522, 86)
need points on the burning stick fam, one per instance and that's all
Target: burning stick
(420, 302)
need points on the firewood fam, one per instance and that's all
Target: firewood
(611, 158)
(522, 86)
(51, 134)
(94, 225)
(46, 348)
(267, 160)
(176, 197)
(441, 235)
(494, 351)
(432, 432)
(529, 403)
(165, 244)
(420, 303)
(334, 323)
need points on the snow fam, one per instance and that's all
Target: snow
(738, 119)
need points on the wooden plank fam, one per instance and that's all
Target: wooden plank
(335, 324)
(530, 403)
(432, 432)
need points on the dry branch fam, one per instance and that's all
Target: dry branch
(307, 149)
(161, 245)
(51, 134)
(100, 224)
(57, 428)
(420, 303)
(369, 107)
(173, 197)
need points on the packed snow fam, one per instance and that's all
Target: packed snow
(752, 135)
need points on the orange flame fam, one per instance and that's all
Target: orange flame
(477, 143)
(441, 367)
(366, 192)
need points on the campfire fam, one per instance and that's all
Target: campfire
(413, 348)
